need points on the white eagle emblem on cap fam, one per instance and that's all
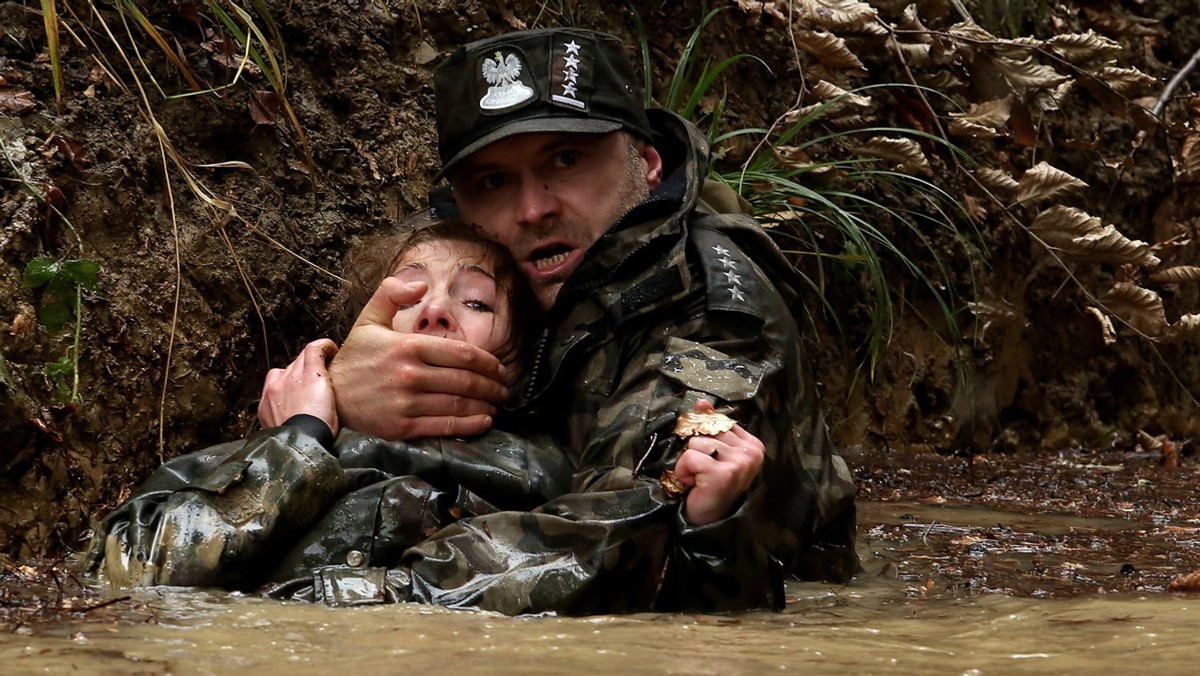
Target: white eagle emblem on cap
(503, 74)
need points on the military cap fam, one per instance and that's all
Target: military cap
(542, 80)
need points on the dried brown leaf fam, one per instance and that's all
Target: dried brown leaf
(72, 150)
(1108, 245)
(1187, 582)
(996, 311)
(1176, 275)
(983, 119)
(1119, 24)
(832, 100)
(1059, 225)
(671, 485)
(916, 55)
(909, 21)
(905, 152)
(1025, 74)
(943, 80)
(1043, 181)
(702, 424)
(265, 106)
(837, 15)
(997, 180)
(1049, 100)
(1107, 333)
(1141, 308)
(1187, 162)
(17, 100)
(1125, 81)
(1187, 328)
(1084, 48)
(829, 49)
(757, 7)
(972, 32)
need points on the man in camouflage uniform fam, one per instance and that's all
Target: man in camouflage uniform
(654, 301)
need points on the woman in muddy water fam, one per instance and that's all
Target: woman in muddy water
(328, 516)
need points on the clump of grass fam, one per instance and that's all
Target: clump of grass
(835, 225)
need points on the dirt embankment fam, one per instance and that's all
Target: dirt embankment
(195, 302)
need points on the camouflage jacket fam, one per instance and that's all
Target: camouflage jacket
(672, 305)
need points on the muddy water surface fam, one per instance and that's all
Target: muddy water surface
(946, 590)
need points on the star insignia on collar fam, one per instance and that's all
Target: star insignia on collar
(732, 277)
(721, 251)
(729, 263)
(737, 294)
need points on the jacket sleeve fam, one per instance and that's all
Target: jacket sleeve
(734, 563)
(213, 518)
(506, 470)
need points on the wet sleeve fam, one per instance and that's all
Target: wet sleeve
(506, 470)
(215, 519)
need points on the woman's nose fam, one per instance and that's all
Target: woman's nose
(436, 319)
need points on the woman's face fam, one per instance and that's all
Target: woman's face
(462, 301)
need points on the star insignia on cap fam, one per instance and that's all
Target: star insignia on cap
(570, 76)
(568, 90)
(572, 47)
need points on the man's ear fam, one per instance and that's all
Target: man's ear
(654, 165)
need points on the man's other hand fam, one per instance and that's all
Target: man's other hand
(404, 386)
(719, 469)
(303, 387)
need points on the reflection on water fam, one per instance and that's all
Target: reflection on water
(914, 610)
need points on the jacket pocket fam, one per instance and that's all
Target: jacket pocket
(701, 368)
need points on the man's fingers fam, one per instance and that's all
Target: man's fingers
(443, 426)
(458, 354)
(446, 406)
(391, 295)
(452, 381)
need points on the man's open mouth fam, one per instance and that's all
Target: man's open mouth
(550, 257)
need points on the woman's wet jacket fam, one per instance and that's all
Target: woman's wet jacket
(672, 305)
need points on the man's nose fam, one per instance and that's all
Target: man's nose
(537, 203)
(436, 319)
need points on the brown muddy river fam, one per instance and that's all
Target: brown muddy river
(955, 590)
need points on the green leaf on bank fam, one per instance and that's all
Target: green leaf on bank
(82, 271)
(60, 374)
(39, 271)
(59, 281)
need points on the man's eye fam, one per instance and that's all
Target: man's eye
(566, 158)
(492, 182)
(478, 305)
